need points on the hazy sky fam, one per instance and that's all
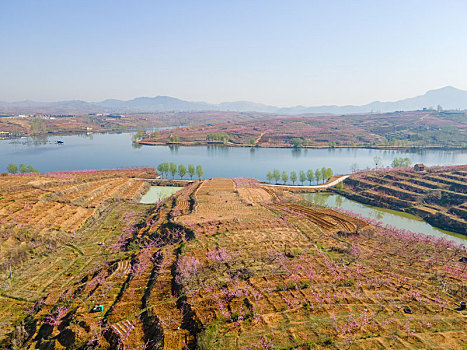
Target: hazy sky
(276, 52)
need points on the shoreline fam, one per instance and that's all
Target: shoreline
(65, 133)
(334, 180)
(355, 197)
(233, 145)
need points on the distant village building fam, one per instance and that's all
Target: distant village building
(419, 167)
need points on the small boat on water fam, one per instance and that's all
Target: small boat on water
(59, 142)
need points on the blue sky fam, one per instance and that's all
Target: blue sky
(275, 52)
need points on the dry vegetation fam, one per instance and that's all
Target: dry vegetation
(19, 126)
(41, 212)
(226, 264)
(67, 124)
(439, 194)
(389, 130)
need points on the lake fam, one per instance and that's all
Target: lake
(387, 216)
(100, 151)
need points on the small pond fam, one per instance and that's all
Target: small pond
(157, 193)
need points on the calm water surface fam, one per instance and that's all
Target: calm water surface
(156, 193)
(100, 151)
(390, 217)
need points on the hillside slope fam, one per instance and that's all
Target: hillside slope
(392, 130)
(448, 97)
(438, 194)
(227, 264)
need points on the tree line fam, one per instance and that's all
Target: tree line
(171, 168)
(310, 175)
(218, 136)
(22, 168)
(401, 162)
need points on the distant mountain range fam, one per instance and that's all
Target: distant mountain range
(447, 97)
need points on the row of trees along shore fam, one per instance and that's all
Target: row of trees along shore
(171, 168)
(22, 168)
(310, 175)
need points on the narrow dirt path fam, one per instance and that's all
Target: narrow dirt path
(328, 184)
(259, 138)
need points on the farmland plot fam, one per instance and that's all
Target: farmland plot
(225, 264)
(42, 212)
(438, 195)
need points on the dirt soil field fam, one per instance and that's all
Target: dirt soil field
(39, 212)
(226, 264)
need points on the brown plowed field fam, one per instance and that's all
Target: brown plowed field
(224, 264)
(43, 211)
(327, 219)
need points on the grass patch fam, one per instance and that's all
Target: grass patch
(209, 337)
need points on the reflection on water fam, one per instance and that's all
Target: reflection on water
(174, 149)
(100, 151)
(37, 140)
(390, 217)
(88, 136)
(296, 152)
(217, 150)
(339, 202)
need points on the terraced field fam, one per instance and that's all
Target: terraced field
(438, 195)
(386, 130)
(40, 212)
(226, 264)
